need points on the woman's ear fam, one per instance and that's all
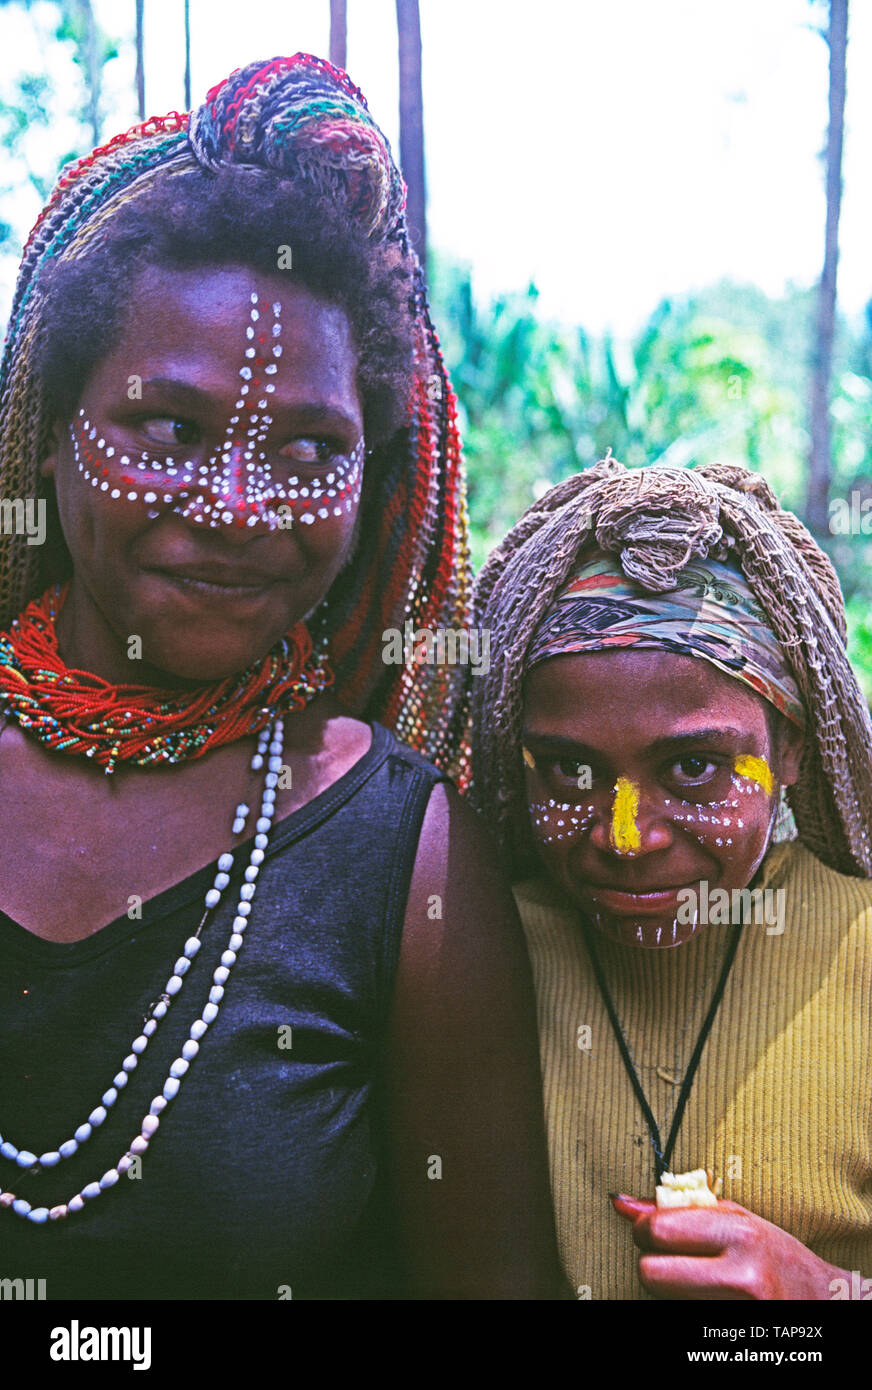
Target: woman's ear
(790, 744)
(49, 463)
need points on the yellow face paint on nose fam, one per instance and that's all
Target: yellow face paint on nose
(625, 831)
(756, 770)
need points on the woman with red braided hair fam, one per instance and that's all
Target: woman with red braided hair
(249, 998)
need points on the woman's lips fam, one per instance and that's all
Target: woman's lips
(245, 588)
(653, 904)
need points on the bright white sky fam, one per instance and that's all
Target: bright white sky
(612, 152)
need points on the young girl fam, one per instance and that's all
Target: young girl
(670, 683)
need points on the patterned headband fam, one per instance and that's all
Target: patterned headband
(711, 613)
(305, 120)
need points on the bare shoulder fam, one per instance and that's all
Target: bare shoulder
(468, 1147)
(326, 725)
(322, 743)
(462, 924)
(457, 859)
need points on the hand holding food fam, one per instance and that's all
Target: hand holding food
(715, 1249)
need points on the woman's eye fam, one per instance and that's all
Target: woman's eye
(570, 767)
(310, 451)
(167, 429)
(694, 770)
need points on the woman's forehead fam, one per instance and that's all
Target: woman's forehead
(601, 694)
(169, 299)
(204, 326)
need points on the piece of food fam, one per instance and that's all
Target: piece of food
(696, 1189)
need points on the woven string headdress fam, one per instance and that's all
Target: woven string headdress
(306, 120)
(656, 520)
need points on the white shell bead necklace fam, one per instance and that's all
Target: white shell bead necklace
(271, 744)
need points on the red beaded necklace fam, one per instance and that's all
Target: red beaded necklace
(74, 712)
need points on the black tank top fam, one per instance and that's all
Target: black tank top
(266, 1178)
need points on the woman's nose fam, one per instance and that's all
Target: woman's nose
(630, 824)
(237, 491)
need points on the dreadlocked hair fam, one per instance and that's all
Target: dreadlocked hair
(239, 216)
(655, 520)
(283, 151)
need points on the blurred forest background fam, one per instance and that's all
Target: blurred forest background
(727, 373)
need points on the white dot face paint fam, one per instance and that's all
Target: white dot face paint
(546, 815)
(562, 830)
(701, 813)
(240, 485)
(694, 748)
(553, 821)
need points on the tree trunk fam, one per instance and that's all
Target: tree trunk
(820, 458)
(338, 34)
(412, 123)
(140, 61)
(92, 69)
(187, 55)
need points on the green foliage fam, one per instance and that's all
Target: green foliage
(721, 376)
(26, 110)
(32, 104)
(860, 639)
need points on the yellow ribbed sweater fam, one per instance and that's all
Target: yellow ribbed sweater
(781, 1107)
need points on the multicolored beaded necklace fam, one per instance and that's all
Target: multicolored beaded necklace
(73, 712)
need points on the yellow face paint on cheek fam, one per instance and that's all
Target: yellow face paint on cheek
(625, 832)
(756, 770)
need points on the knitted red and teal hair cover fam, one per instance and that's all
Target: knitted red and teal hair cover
(305, 120)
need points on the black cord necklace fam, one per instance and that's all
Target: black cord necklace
(661, 1155)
